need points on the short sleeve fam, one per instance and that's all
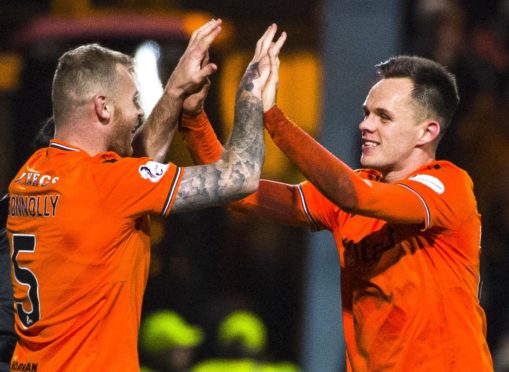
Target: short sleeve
(136, 186)
(446, 192)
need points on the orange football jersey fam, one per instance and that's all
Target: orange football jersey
(79, 236)
(409, 293)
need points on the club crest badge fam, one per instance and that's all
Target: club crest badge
(153, 171)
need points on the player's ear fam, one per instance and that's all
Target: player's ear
(102, 109)
(430, 132)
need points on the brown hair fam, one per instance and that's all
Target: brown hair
(435, 89)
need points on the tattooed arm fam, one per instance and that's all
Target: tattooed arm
(237, 172)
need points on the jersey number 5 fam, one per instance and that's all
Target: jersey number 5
(22, 243)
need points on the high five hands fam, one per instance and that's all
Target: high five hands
(270, 89)
(262, 71)
(194, 69)
(259, 71)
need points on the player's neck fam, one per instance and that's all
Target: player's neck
(410, 165)
(83, 136)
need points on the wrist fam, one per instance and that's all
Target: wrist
(271, 118)
(273, 114)
(174, 93)
(191, 122)
(192, 113)
(267, 108)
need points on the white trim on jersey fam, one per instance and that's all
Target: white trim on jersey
(62, 147)
(427, 222)
(305, 207)
(173, 188)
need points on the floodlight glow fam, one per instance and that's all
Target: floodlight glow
(147, 75)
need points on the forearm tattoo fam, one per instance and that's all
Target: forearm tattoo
(237, 173)
(252, 73)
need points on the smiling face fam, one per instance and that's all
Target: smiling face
(128, 114)
(392, 128)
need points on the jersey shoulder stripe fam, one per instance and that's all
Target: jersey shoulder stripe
(427, 222)
(173, 188)
(306, 208)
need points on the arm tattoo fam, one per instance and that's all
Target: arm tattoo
(251, 74)
(237, 173)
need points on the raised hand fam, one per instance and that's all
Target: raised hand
(269, 93)
(265, 56)
(190, 75)
(193, 104)
(191, 71)
(237, 172)
(258, 70)
(248, 103)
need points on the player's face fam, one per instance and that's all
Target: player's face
(128, 115)
(390, 129)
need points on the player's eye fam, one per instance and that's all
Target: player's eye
(384, 116)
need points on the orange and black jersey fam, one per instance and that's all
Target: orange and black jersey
(80, 243)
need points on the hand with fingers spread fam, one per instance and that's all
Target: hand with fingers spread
(191, 71)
